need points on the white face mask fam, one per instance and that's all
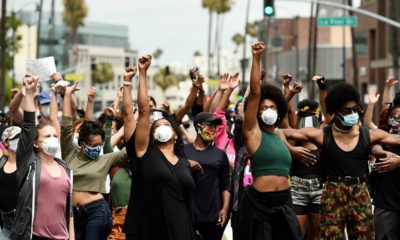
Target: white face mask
(51, 146)
(13, 144)
(163, 133)
(269, 117)
(75, 141)
(45, 109)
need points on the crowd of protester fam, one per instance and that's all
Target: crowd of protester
(271, 169)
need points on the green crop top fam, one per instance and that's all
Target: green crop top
(271, 158)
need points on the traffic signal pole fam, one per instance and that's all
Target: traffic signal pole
(351, 8)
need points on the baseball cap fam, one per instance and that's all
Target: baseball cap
(206, 117)
(10, 133)
(45, 96)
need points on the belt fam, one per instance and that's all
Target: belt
(348, 180)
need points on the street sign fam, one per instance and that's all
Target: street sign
(73, 77)
(351, 21)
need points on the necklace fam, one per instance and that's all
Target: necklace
(341, 130)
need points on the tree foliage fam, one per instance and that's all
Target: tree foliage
(157, 54)
(103, 73)
(165, 79)
(238, 39)
(74, 14)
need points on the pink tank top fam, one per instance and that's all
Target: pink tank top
(50, 218)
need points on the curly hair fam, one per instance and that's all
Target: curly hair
(90, 128)
(274, 94)
(339, 95)
(178, 146)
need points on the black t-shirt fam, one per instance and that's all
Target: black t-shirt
(386, 186)
(338, 163)
(8, 190)
(160, 199)
(299, 169)
(210, 184)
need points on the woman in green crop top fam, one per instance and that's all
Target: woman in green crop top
(266, 211)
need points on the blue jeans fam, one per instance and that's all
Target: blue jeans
(8, 221)
(92, 221)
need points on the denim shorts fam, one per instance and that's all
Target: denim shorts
(306, 195)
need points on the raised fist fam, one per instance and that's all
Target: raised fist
(258, 48)
(129, 73)
(144, 62)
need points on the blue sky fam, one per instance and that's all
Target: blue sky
(179, 27)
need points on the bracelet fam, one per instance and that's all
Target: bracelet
(127, 83)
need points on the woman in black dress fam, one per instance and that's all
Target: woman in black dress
(159, 205)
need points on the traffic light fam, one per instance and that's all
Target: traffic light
(269, 9)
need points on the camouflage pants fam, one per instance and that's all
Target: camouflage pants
(118, 217)
(346, 206)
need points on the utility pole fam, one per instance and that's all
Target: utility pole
(315, 51)
(244, 62)
(309, 50)
(39, 28)
(3, 54)
(354, 52)
(52, 30)
(394, 39)
(13, 40)
(344, 46)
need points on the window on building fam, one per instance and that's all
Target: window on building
(361, 43)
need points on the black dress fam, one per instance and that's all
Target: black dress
(160, 197)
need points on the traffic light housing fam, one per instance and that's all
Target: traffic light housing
(269, 8)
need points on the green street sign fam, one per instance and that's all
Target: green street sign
(337, 21)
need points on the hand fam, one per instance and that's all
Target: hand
(387, 164)
(373, 96)
(193, 73)
(257, 49)
(384, 154)
(263, 73)
(166, 107)
(91, 94)
(56, 77)
(129, 73)
(296, 88)
(222, 217)
(303, 155)
(109, 112)
(198, 82)
(320, 79)
(286, 79)
(391, 81)
(234, 81)
(72, 89)
(31, 83)
(144, 62)
(196, 166)
(14, 92)
(223, 82)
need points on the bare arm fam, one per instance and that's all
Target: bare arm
(308, 134)
(180, 113)
(292, 117)
(143, 127)
(15, 110)
(68, 99)
(189, 138)
(381, 137)
(207, 105)
(387, 92)
(323, 92)
(127, 110)
(54, 113)
(251, 130)
(91, 95)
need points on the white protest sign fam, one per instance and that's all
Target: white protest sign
(42, 67)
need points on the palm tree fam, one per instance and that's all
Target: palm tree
(209, 5)
(103, 73)
(238, 39)
(157, 54)
(220, 7)
(197, 53)
(251, 29)
(164, 79)
(74, 14)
